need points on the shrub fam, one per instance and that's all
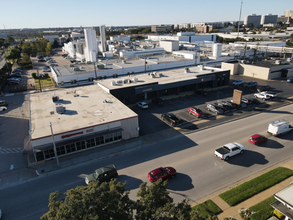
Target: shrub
(207, 208)
(34, 75)
(46, 76)
(263, 210)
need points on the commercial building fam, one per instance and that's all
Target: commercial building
(204, 28)
(158, 28)
(169, 45)
(138, 87)
(252, 19)
(187, 37)
(129, 54)
(284, 203)
(289, 13)
(269, 19)
(81, 118)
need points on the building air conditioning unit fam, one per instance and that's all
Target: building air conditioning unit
(55, 98)
(60, 109)
(119, 81)
(186, 70)
(135, 80)
(113, 83)
(100, 66)
(125, 80)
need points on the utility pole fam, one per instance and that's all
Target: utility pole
(95, 71)
(244, 50)
(281, 52)
(55, 151)
(255, 51)
(266, 50)
(145, 63)
(239, 18)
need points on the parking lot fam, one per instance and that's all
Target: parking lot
(150, 119)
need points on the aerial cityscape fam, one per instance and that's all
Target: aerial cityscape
(141, 111)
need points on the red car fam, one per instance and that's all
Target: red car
(257, 139)
(196, 112)
(163, 173)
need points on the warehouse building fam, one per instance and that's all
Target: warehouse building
(81, 118)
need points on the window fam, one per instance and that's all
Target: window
(108, 138)
(40, 156)
(90, 143)
(80, 145)
(60, 150)
(235, 148)
(49, 154)
(117, 136)
(100, 140)
(70, 148)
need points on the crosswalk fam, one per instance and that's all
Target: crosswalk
(10, 150)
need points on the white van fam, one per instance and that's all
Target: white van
(279, 127)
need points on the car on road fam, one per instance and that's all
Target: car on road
(142, 105)
(171, 119)
(158, 101)
(215, 109)
(3, 103)
(262, 96)
(163, 173)
(3, 108)
(103, 174)
(257, 139)
(250, 85)
(229, 150)
(290, 80)
(263, 88)
(238, 82)
(196, 112)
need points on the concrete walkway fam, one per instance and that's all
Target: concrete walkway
(233, 211)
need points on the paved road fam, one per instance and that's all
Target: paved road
(199, 172)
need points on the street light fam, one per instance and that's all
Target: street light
(55, 151)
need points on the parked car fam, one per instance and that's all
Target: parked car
(262, 96)
(3, 103)
(41, 60)
(46, 69)
(246, 100)
(53, 64)
(12, 83)
(196, 112)
(16, 75)
(3, 108)
(263, 88)
(220, 105)
(257, 139)
(290, 80)
(142, 105)
(215, 109)
(158, 101)
(201, 93)
(255, 101)
(250, 85)
(163, 173)
(231, 105)
(51, 61)
(229, 150)
(271, 94)
(103, 174)
(238, 82)
(171, 119)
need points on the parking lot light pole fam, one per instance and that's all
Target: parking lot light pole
(55, 151)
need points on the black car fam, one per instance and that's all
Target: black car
(103, 174)
(250, 85)
(229, 105)
(222, 106)
(255, 101)
(201, 93)
(170, 119)
(263, 88)
(158, 101)
(41, 60)
(246, 100)
(215, 109)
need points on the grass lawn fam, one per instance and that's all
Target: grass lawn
(44, 83)
(263, 210)
(248, 189)
(207, 208)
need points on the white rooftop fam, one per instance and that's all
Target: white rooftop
(286, 194)
(85, 107)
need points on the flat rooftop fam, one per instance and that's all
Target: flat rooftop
(286, 194)
(68, 70)
(167, 77)
(85, 107)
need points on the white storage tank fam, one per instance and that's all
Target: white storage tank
(217, 50)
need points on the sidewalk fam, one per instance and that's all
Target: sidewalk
(233, 211)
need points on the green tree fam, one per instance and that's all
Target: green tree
(25, 59)
(9, 39)
(14, 54)
(104, 201)
(48, 48)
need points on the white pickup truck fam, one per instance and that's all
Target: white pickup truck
(229, 150)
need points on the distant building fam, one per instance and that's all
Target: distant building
(289, 13)
(204, 28)
(158, 28)
(169, 45)
(103, 38)
(268, 19)
(252, 19)
(179, 26)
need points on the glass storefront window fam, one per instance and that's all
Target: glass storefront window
(49, 153)
(80, 145)
(40, 156)
(60, 150)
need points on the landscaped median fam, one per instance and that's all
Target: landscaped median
(248, 189)
(207, 208)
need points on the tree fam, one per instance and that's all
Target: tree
(104, 201)
(48, 48)
(25, 59)
(14, 54)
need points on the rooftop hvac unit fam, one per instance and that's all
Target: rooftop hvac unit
(113, 83)
(119, 81)
(152, 75)
(278, 62)
(55, 98)
(100, 66)
(158, 74)
(125, 81)
(135, 80)
(186, 70)
(60, 109)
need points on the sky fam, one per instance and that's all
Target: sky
(16, 14)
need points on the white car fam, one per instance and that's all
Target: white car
(3, 108)
(238, 82)
(271, 94)
(262, 95)
(46, 70)
(142, 105)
